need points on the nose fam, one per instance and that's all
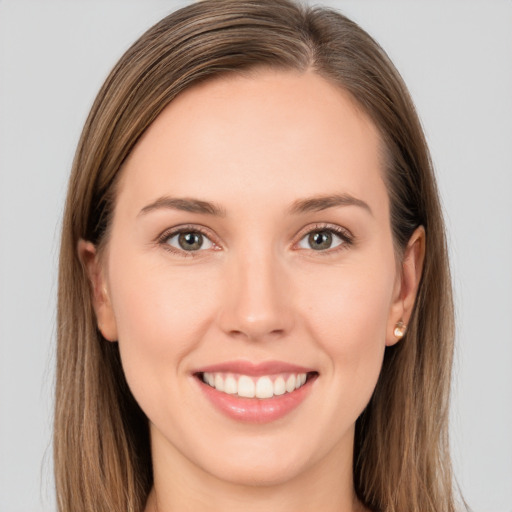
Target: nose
(257, 303)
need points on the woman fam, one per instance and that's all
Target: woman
(254, 306)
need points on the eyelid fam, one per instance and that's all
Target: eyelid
(347, 237)
(187, 228)
(343, 233)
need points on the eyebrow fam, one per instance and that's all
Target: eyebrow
(311, 204)
(319, 203)
(184, 204)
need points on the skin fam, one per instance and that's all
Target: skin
(254, 146)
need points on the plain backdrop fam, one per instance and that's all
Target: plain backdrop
(455, 56)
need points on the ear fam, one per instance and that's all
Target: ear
(100, 296)
(406, 287)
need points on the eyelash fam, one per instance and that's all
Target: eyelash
(346, 237)
(164, 238)
(344, 234)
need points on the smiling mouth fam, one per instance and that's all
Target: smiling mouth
(261, 387)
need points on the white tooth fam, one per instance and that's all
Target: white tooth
(245, 387)
(297, 382)
(264, 388)
(219, 382)
(230, 385)
(279, 386)
(290, 383)
(303, 378)
(210, 379)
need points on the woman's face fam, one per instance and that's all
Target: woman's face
(251, 248)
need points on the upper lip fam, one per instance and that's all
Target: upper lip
(254, 369)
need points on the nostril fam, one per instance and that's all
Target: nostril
(256, 333)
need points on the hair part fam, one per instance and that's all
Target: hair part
(101, 441)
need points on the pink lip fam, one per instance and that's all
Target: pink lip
(255, 369)
(255, 410)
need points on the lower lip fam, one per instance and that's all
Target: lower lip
(256, 410)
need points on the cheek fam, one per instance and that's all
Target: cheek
(351, 298)
(161, 315)
(153, 297)
(348, 318)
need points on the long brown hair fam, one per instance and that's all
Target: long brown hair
(101, 444)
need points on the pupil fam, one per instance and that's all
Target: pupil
(190, 241)
(320, 240)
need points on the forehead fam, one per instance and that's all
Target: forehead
(282, 130)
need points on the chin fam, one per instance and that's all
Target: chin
(259, 461)
(258, 474)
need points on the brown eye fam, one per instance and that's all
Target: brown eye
(322, 240)
(189, 241)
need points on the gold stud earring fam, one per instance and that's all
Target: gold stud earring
(400, 328)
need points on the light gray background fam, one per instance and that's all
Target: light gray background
(456, 57)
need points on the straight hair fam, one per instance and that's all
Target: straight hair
(101, 440)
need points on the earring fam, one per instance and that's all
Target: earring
(400, 328)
